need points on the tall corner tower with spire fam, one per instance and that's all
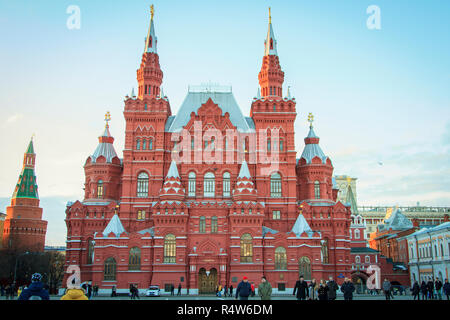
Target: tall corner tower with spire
(24, 228)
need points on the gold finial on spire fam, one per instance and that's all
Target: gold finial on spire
(152, 10)
(107, 118)
(270, 17)
(349, 180)
(32, 136)
(310, 119)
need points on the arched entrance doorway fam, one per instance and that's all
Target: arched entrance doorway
(207, 281)
(359, 280)
(304, 268)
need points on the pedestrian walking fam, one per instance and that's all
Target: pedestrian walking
(172, 290)
(347, 289)
(265, 289)
(114, 291)
(89, 290)
(225, 291)
(2, 290)
(231, 290)
(446, 289)
(430, 285)
(12, 292)
(322, 291)
(36, 289)
(424, 290)
(95, 290)
(313, 287)
(301, 288)
(438, 287)
(244, 289)
(416, 290)
(332, 288)
(387, 289)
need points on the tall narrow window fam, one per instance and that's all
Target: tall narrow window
(226, 184)
(324, 251)
(170, 249)
(141, 215)
(144, 144)
(275, 185)
(90, 252)
(109, 272)
(214, 224)
(191, 184)
(357, 234)
(150, 144)
(246, 248)
(276, 215)
(209, 185)
(268, 145)
(100, 189)
(202, 224)
(316, 189)
(134, 259)
(281, 145)
(192, 143)
(280, 259)
(142, 185)
(138, 144)
(304, 267)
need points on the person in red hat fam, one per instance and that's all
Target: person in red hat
(244, 289)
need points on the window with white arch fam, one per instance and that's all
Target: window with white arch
(142, 185)
(275, 185)
(357, 234)
(209, 183)
(191, 184)
(226, 184)
(358, 259)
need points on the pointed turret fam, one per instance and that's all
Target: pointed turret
(149, 75)
(271, 77)
(26, 186)
(312, 148)
(114, 226)
(105, 146)
(172, 187)
(244, 188)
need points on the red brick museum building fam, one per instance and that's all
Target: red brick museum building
(208, 195)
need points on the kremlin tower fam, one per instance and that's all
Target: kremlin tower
(24, 228)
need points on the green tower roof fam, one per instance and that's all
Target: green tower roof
(26, 186)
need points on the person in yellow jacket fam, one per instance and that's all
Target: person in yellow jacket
(74, 294)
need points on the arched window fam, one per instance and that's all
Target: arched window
(100, 189)
(226, 184)
(150, 144)
(304, 268)
(109, 272)
(324, 251)
(357, 234)
(170, 249)
(280, 259)
(90, 251)
(141, 215)
(202, 224)
(138, 144)
(316, 189)
(358, 259)
(268, 145)
(191, 184)
(214, 224)
(144, 144)
(281, 145)
(142, 185)
(367, 259)
(246, 248)
(275, 185)
(134, 259)
(209, 185)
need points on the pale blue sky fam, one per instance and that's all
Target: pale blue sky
(377, 95)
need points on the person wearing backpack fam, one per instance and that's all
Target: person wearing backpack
(244, 289)
(36, 290)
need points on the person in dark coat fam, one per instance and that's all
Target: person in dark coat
(332, 288)
(424, 290)
(225, 291)
(231, 291)
(2, 290)
(114, 291)
(430, 285)
(179, 290)
(322, 292)
(89, 290)
(438, 287)
(172, 290)
(446, 289)
(244, 289)
(301, 288)
(347, 289)
(36, 290)
(416, 290)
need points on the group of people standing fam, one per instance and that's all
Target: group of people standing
(322, 290)
(431, 290)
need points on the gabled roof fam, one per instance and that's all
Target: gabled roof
(194, 100)
(300, 226)
(115, 226)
